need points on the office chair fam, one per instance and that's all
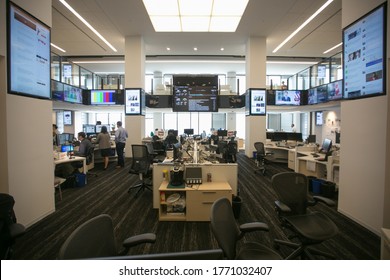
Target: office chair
(232, 151)
(95, 238)
(90, 160)
(262, 158)
(156, 158)
(308, 227)
(10, 230)
(141, 166)
(228, 233)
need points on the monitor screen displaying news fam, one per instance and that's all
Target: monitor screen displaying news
(133, 101)
(257, 101)
(288, 97)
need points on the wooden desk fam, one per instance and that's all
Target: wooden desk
(198, 201)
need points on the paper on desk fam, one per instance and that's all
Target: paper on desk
(310, 166)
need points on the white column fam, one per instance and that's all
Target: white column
(255, 126)
(135, 78)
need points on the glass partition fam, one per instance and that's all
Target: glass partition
(55, 67)
(86, 79)
(303, 79)
(336, 67)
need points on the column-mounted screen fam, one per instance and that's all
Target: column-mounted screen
(134, 101)
(364, 55)
(255, 102)
(28, 54)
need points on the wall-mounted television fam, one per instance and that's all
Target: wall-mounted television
(134, 101)
(28, 54)
(318, 95)
(288, 97)
(231, 101)
(103, 97)
(255, 103)
(158, 101)
(319, 118)
(335, 90)
(73, 94)
(195, 99)
(67, 117)
(364, 55)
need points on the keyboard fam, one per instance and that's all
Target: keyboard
(315, 155)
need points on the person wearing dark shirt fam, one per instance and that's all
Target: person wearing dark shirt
(85, 145)
(170, 140)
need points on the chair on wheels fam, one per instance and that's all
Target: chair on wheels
(95, 239)
(232, 151)
(262, 158)
(140, 165)
(90, 161)
(228, 234)
(308, 227)
(10, 230)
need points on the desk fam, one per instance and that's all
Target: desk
(220, 172)
(279, 154)
(198, 201)
(68, 160)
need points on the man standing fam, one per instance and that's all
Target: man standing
(120, 142)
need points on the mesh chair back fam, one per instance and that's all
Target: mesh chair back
(292, 189)
(259, 146)
(224, 227)
(89, 157)
(93, 239)
(141, 159)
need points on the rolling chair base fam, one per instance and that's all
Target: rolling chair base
(141, 187)
(302, 250)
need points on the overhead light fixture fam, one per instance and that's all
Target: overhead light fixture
(87, 24)
(222, 49)
(57, 47)
(195, 15)
(195, 49)
(303, 25)
(99, 61)
(332, 48)
(168, 48)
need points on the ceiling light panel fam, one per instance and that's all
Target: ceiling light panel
(162, 7)
(195, 24)
(229, 7)
(195, 7)
(224, 24)
(166, 24)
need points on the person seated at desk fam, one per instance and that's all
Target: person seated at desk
(84, 146)
(170, 140)
(214, 138)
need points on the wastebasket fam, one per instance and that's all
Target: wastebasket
(328, 189)
(236, 205)
(310, 180)
(317, 186)
(254, 155)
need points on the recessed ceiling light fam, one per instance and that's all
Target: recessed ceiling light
(195, 49)
(195, 15)
(222, 49)
(168, 48)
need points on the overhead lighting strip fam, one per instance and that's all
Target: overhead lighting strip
(303, 25)
(57, 47)
(87, 24)
(332, 48)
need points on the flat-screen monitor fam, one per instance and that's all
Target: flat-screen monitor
(222, 132)
(364, 55)
(62, 139)
(89, 128)
(189, 131)
(255, 103)
(73, 94)
(271, 96)
(288, 97)
(319, 118)
(326, 146)
(335, 90)
(294, 136)
(66, 148)
(98, 127)
(311, 138)
(175, 132)
(318, 95)
(134, 104)
(195, 99)
(67, 117)
(158, 101)
(279, 136)
(231, 101)
(103, 97)
(28, 54)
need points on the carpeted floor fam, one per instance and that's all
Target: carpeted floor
(107, 193)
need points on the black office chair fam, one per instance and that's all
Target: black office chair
(308, 227)
(156, 157)
(141, 165)
(227, 233)
(95, 238)
(10, 230)
(90, 159)
(262, 158)
(232, 150)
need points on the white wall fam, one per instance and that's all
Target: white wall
(27, 150)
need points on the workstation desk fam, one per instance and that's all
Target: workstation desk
(220, 172)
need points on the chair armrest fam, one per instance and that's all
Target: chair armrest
(325, 200)
(16, 230)
(282, 207)
(139, 239)
(254, 226)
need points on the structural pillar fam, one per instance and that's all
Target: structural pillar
(135, 78)
(256, 56)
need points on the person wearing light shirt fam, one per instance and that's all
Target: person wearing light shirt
(120, 142)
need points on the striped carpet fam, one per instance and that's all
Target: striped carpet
(107, 193)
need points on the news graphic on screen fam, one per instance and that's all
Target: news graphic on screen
(257, 102)
(132, 101)
(319, 118)
(67, 118)
(322, 94)
(335, 90)
(28, 54)
(195, 99)
(73, 94)
(364, 55)
(288, 97)
(103, 97)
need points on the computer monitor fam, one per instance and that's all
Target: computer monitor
(189, 131)
(174, 132)
(311, 138)
(66, 148)
(326, 146)
(62, 139)
(222, 132)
